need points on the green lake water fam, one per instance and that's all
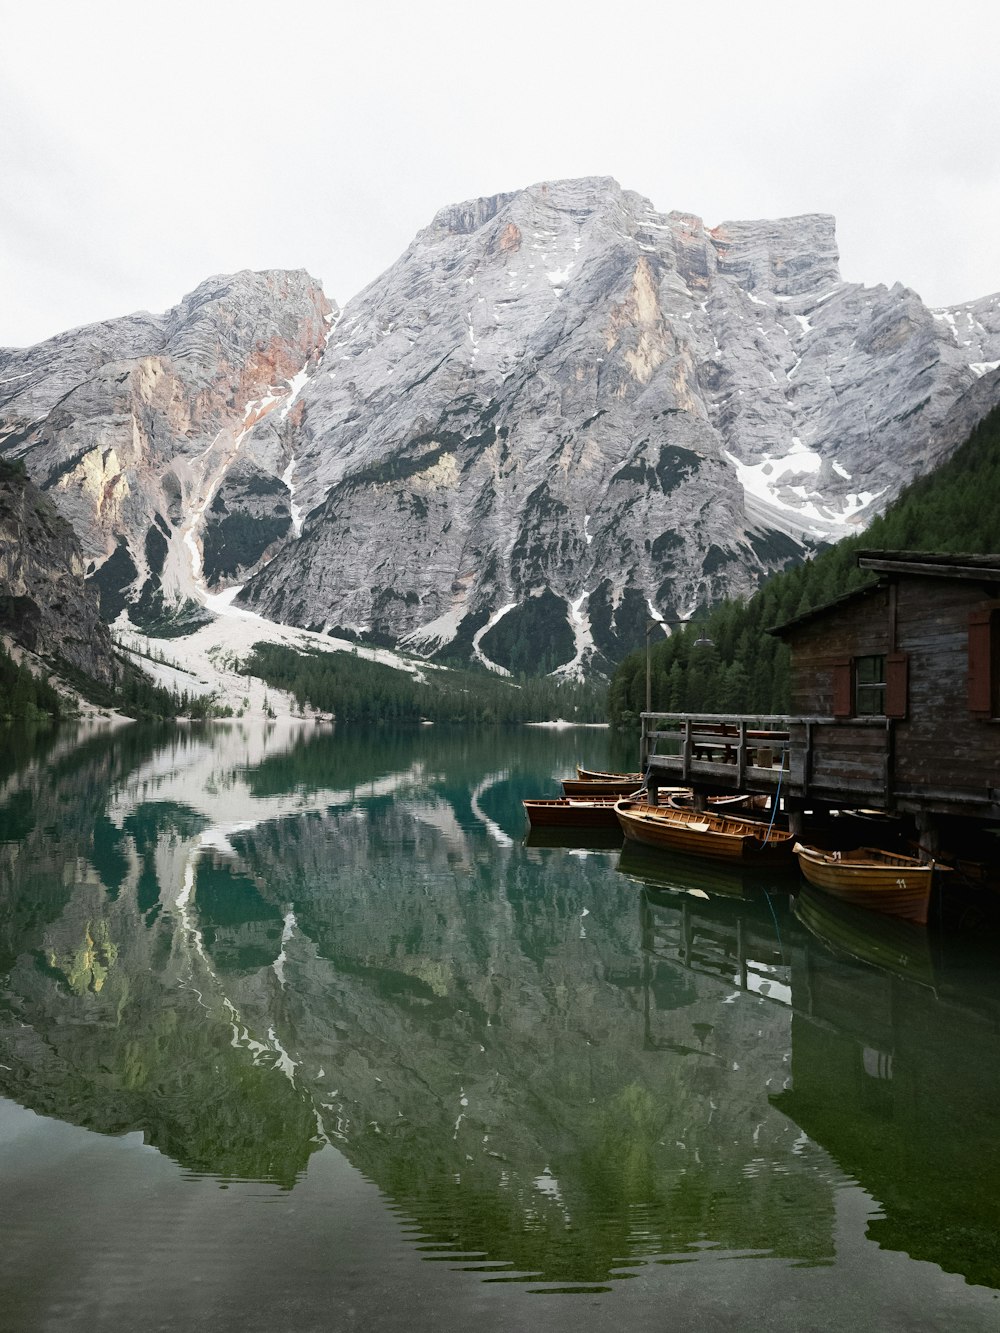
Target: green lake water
(299, 1031)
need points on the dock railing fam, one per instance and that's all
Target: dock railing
(810, 756)
(723, 746)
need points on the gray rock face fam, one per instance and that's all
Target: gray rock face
(566, 408)
(132, 425)
(975, 328)
(559, 412)
(45, 605)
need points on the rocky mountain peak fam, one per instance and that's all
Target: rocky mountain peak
(561, 411)
(132, 426)
(466, 218)
(786, 257)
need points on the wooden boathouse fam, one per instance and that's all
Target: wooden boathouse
(895, 705)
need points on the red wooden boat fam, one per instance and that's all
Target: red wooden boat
(572, 812)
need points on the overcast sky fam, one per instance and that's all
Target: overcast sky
(144, 148)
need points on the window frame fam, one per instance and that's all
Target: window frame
(869, 691)
(894, 686)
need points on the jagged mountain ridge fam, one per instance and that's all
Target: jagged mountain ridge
(561, 399)
(139, 430)
(558, 411)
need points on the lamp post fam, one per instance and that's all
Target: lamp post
(703, 642)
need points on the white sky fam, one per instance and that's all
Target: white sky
(144, 148)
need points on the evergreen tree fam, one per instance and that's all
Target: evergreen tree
(954, 509)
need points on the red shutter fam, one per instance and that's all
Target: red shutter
(896, 680)
(980, 673)
(842, 702)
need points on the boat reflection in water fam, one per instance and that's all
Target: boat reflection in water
(895, 1047)
(896, 1072)
(899, 946)
(673, 871)
(595, 838)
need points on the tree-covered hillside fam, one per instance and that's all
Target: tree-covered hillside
(956, 508)
(24, 697)
(355, 689)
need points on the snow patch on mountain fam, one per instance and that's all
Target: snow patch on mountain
(583, 641)
(778, 482)
(477, 639)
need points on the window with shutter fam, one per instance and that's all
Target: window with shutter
(869, 685)
(874, 685)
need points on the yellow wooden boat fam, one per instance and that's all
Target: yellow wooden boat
(702, 833)
(596, 775)
(868, 877)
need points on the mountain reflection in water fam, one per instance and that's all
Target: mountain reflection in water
(558, 1064)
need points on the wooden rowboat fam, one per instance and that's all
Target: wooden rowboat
(702, 833)
(595, 775)
(742, 803)
(572, 812)
(611, 786)
(883, 881)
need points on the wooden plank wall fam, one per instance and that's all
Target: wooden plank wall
(942, 745)
(850, 631)
(849, 759)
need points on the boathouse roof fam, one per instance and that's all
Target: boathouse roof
(921, 563)
(926, 563)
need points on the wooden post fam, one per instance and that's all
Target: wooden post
(686, 771)
(649, 674)
(928, 835)
(808, 763)
(741, 756)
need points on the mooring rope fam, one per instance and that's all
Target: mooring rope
(777, 798)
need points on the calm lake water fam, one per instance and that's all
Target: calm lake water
(299, 1031)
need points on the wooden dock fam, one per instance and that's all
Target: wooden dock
(807, 760)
